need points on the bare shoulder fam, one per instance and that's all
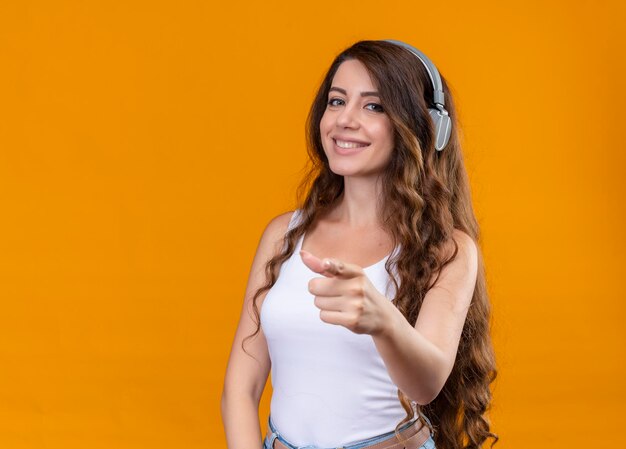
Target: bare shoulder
(467, 246)
(464, 267)
(269, 246)
(461, 270)
(272, 238)
(277, 227)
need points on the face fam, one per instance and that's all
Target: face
(357, 134)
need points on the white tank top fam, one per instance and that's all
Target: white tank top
(330, 385)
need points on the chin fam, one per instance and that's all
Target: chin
(342, 169)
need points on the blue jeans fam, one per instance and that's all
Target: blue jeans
(363, 444)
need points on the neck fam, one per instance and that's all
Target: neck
(360, 203)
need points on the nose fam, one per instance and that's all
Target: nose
(347, 117)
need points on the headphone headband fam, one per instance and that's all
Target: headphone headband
(440, 117)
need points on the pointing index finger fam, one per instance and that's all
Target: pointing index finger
(341, 269)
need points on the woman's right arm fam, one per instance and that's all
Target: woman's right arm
(246, 376)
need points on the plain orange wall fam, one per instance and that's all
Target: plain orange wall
(145, 145)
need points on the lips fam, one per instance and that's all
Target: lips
(348, 139)
(348, 145)
(347, 142)
(349, 148)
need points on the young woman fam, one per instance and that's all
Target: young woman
(368, 302)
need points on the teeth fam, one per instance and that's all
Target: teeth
(342, 144)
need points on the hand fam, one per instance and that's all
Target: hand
(345, 296)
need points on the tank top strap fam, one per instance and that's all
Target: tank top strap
(293, 222)
(295, 219)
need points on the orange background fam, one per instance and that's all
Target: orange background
(145, 145)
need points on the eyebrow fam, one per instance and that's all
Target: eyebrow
(363, 94)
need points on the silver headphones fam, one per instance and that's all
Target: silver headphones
(438, 114)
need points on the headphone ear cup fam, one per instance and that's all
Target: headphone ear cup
(443, 127)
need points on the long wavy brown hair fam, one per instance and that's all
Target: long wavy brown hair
(426, 195)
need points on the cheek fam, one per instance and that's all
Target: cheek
(324, 130)
(384, 133)
(324, 125)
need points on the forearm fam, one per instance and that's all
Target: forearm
(414, 364)
(240, 415)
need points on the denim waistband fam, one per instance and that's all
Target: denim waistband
(275, 435)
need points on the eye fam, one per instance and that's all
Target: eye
(331, 102)
(377, 107)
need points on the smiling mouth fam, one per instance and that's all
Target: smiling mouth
(346, 144)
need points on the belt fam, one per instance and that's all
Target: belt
(412, 437)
